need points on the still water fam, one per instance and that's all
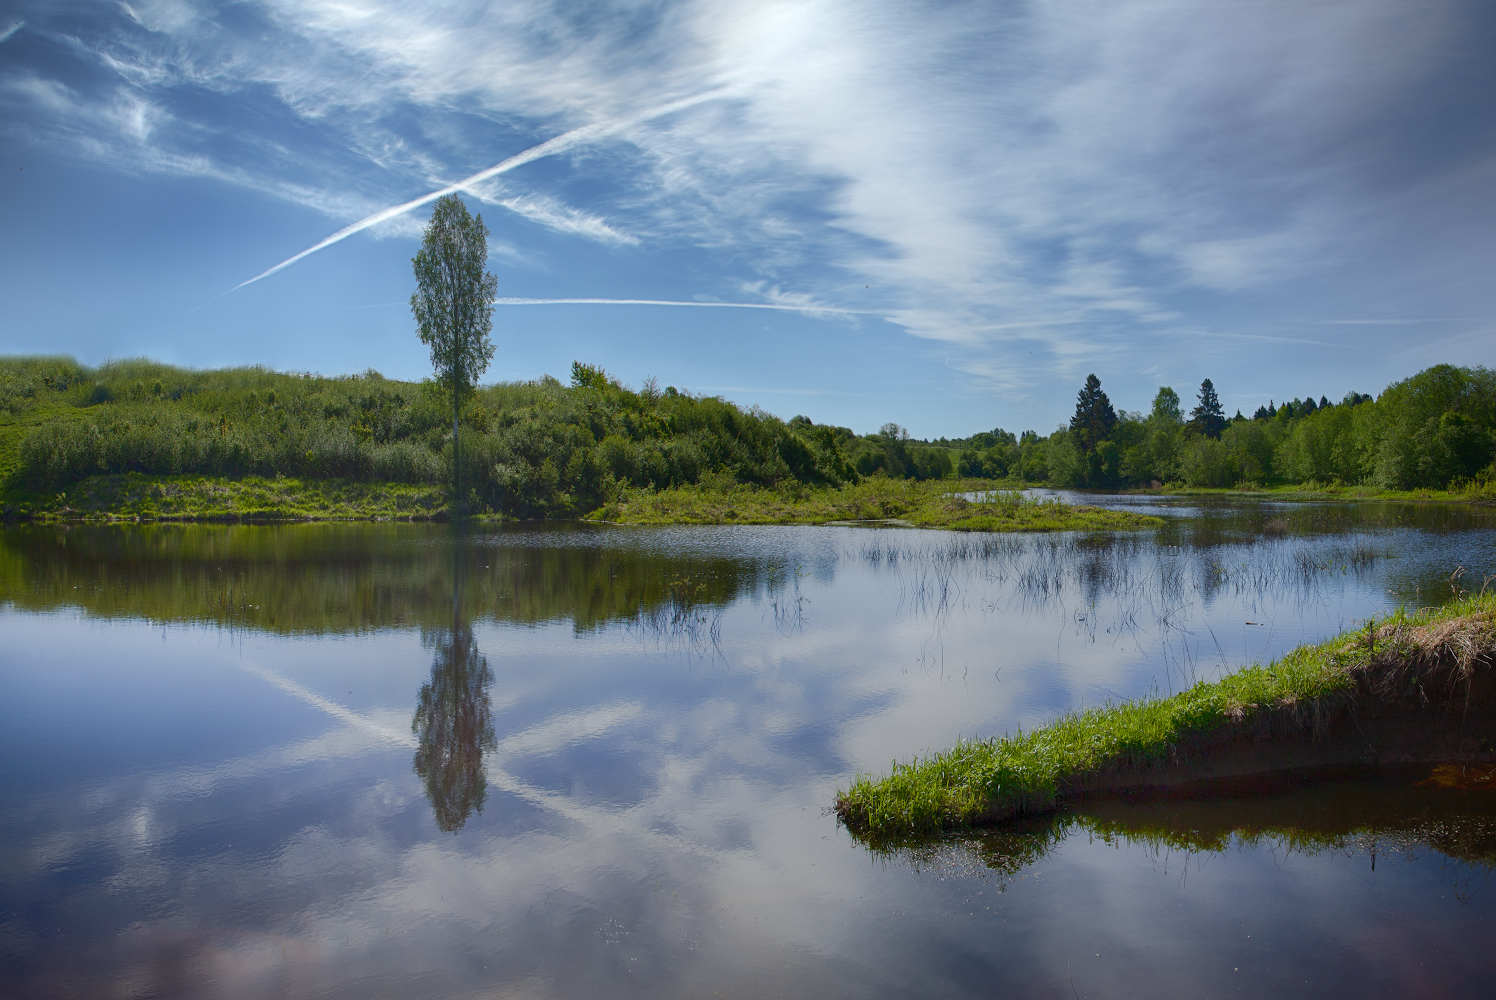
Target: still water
(557, 760)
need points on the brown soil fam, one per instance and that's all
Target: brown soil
(1423, 694)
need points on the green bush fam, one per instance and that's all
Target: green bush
(531, 448)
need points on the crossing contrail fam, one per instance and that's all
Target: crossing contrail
(560, 144)
(675, 302)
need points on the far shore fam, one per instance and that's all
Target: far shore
(1323, 492)
(907, 503)
(876, 500)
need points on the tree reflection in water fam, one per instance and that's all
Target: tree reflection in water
(454, 717)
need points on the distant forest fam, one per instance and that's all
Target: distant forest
(544, 448)
(1430, 431)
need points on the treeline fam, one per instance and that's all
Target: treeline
(540, 448)
(1431, 431)
(527, 448)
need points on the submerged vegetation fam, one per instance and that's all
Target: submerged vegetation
(1406, 661)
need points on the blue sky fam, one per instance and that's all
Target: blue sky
(969, 206)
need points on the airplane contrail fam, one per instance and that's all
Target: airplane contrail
(550, 147)
(506, 301)
(332, 708)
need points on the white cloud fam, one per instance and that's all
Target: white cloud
(546, 211)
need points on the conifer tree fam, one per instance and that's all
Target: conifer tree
(1094, 417)
(1208, 418)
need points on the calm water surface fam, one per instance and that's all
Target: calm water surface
(556, 761)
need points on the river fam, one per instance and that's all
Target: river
(558, 760)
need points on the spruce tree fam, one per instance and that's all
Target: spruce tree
(1094, 417)
(1208, 418)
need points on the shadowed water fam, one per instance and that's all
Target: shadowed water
(559, 760)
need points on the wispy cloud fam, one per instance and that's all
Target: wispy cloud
(6, 35)
(562, 218)
(1398, 322)
(1082, 180)
(769, 391)
(802, 308)
(551, 147)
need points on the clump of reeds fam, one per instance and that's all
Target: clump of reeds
(1418, 658)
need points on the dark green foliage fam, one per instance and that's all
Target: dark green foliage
(1432, 431)
(994, 454)
(530, 449)
(587, 376)
(453, 307)
(1433, 427)
(1208, 418)
(537, 449)
(1094, 417)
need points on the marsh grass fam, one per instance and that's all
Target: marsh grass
(900, 502)
(1429, 652)
(251, 498)
(1479, 489)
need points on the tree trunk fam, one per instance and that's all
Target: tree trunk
(456, 456)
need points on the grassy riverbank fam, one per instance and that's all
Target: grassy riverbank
(133, 496)
(137, 497)
(1405, 660)
(930, 504)
(1476, 491)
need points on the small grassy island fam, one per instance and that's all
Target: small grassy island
(1417, 686)
(906, 503)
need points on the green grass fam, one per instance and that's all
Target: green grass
(133, 496)
(1478, 491)
(929, 504)
(983, 779)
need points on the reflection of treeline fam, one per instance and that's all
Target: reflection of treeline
(1433, 430)
(332, 578)
(531, 448)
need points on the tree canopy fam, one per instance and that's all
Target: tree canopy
(453, 301)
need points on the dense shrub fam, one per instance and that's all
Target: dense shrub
(532, 448)
(541, 448)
